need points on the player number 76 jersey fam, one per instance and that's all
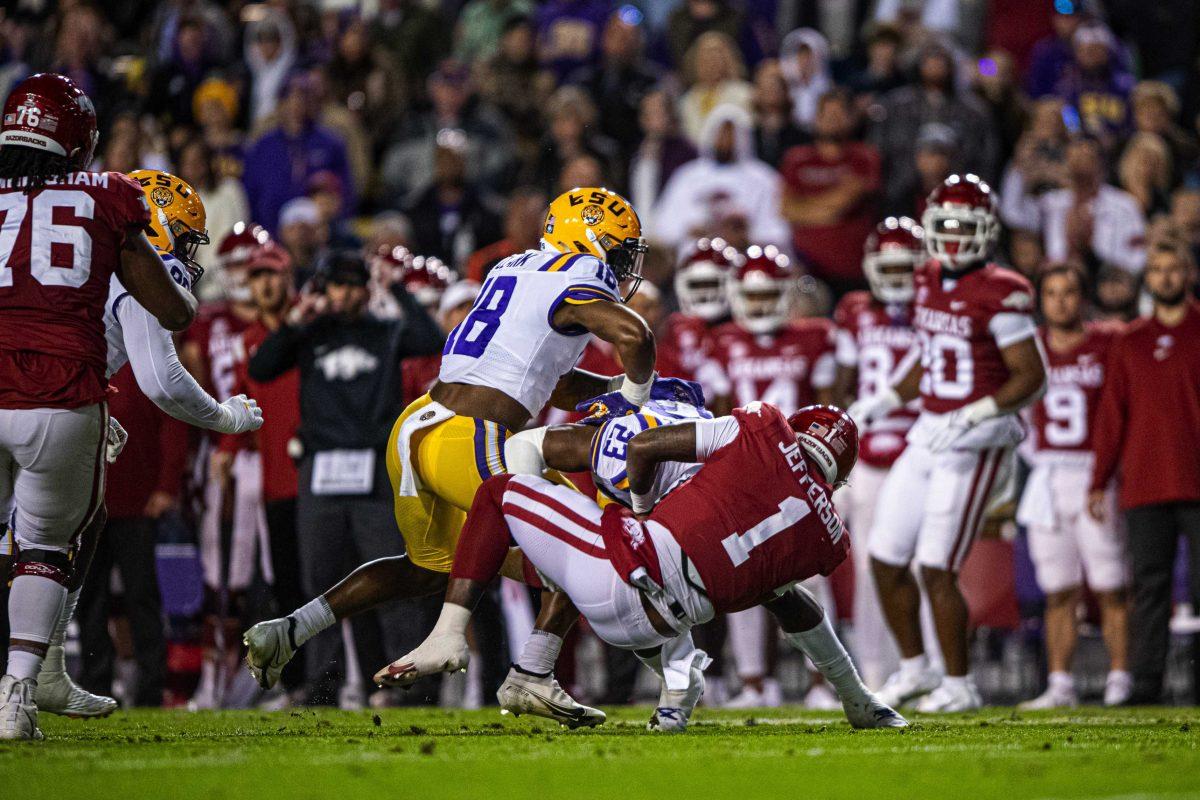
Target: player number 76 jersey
(509, 341)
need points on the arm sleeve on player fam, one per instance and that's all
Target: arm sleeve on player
(158, 372)
(845, 350)
(1009, 328)
(713, 434)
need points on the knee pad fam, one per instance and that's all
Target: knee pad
(51, 564)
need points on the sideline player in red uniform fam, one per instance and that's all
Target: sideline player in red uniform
(1066, 544)
(875, 339)
(764, 355)
(65, 233)
(717, 544)
(702, 289)
(980, 364)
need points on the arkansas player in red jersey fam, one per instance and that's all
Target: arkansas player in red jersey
(701, 287)
(980, 364)
(764, 355)
(65, 233)
(875, 341)
(1066, 544)
(717, 544)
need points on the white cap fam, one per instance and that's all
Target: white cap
(301, 209)
(456, 294)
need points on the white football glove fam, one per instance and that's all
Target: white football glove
(871, 408)
(240, 414)
(115, 440)
(956, 423)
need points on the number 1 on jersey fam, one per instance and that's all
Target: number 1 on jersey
(474, 333)
(738, 546)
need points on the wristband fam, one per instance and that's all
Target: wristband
(982, 409)
(636, 393)
(642, 503)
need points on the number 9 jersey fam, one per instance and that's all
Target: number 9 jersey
(509, 341)
(610, 442)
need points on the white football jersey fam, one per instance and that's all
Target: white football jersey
(114, 333)
(609, 444)
(509, 341)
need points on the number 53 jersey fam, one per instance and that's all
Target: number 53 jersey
(509, 340)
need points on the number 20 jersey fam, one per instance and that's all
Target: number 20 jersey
(59, 246)
(509, 341)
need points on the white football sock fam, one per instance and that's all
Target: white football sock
(827, 654)
(956, 683)
(540, 653)
(34, 603)
(312, 618)
(452, 621)
(911, 666)
(1061, 681)
(64, 618)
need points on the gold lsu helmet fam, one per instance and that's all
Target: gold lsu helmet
(177, 217)
(601, 223)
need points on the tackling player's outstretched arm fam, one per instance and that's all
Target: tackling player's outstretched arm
(164, 380)
(142, 273)
(649, 449)
(624, 330)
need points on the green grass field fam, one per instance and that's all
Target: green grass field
(401, 754)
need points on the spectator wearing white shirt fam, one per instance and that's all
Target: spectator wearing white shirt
(1088, 221)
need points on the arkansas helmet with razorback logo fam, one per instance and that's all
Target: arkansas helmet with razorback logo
(702, 276)
(234, 252)
(50, 112)
(961, 222)
(830, 438)
(761, 294)
(890, 257)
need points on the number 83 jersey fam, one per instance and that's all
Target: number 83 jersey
(509, 340)
(611, 440)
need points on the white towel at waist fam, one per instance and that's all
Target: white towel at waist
(430, 415)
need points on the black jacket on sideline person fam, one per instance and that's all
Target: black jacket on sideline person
(350, 377)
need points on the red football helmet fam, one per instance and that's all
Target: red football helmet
(761, 293)
(961, 221)
(830, 438)
(234, 253)
(702, 277)
(49, 112)
(890, 257)
(426, 278)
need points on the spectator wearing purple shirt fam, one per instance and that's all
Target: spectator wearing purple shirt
(280, 163)
(1096, 85)
(568, 33)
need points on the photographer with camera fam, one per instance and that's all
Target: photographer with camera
(350, 395)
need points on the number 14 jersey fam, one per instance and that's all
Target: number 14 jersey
(509, 340)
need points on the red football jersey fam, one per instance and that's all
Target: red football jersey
(59, 248)
(784, 369)
(963, 323)
(749, 537)
(217, 332)
(683, 341)
(878, 341)
(1062, 419)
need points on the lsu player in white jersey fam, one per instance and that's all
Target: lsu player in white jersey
(515, 351)
(135, 337)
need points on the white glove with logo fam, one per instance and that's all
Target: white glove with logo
(115, 440)
(956, 423)
(869, 409)
(240, 414)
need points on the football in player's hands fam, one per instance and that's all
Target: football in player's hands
(604, 407)
(678, 390)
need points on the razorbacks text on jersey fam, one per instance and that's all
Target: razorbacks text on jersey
(509, 341)
(785, 368)
(963, 323)
(877, 340)
(767, 532)
(1062, 419)
(59, 247)
(609, 446)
